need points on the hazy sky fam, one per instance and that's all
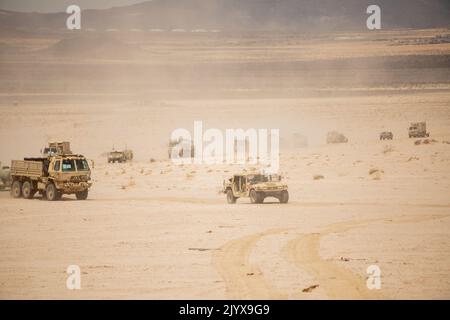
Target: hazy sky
(60, 5)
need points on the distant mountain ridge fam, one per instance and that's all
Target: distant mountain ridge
(244, 15)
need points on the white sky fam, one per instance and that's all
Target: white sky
(60, 5)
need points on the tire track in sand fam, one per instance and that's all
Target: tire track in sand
(338, 282)
(244, 280)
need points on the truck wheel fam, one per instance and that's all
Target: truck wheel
(27, 190)
(284, 198)
(255, 197)
(82, 195)
(16, 189)
(52, 193)
(231, 199)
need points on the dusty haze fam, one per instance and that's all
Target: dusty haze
(153, 230)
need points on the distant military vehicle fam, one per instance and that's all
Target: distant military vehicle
(418, 130)
(57, 148)
(181, 145)
(120, 156)
(5, 177)
(51, 176)
(386, 135)
(336, 137)
(255, 185)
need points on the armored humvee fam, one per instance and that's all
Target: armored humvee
(418, 130)
(386, 135)
(51, 176)
(120, 156)
(181, 145)
(336, 137)
(255, 185)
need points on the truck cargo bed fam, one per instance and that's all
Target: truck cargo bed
(32, 169)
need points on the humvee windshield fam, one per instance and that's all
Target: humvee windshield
(257, 178)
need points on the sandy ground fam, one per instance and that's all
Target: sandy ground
(157, 230)
(154, 230)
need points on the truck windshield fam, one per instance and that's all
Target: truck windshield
(82, 165)
(68, 165)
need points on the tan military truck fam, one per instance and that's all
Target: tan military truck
(51, 176)
(418, 130)
(256, 186)
(120, 156)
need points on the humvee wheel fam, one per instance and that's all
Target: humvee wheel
(231, 199)
(27, 190)
(52, 193)
(16, 189)
(255, 197)
(284, 197)
(82, 195)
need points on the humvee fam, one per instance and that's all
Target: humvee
(181, 144)
(336, 137)
(257, 186)
(386, 135)
(418, 130)
(5, 177)
(51, 176)
(120, 156)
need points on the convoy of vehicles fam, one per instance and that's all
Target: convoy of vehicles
(58, 171)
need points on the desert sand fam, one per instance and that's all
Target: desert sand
(155, 230)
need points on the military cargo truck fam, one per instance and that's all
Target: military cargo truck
(418, 130)
(51, 176)
(256, 186)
